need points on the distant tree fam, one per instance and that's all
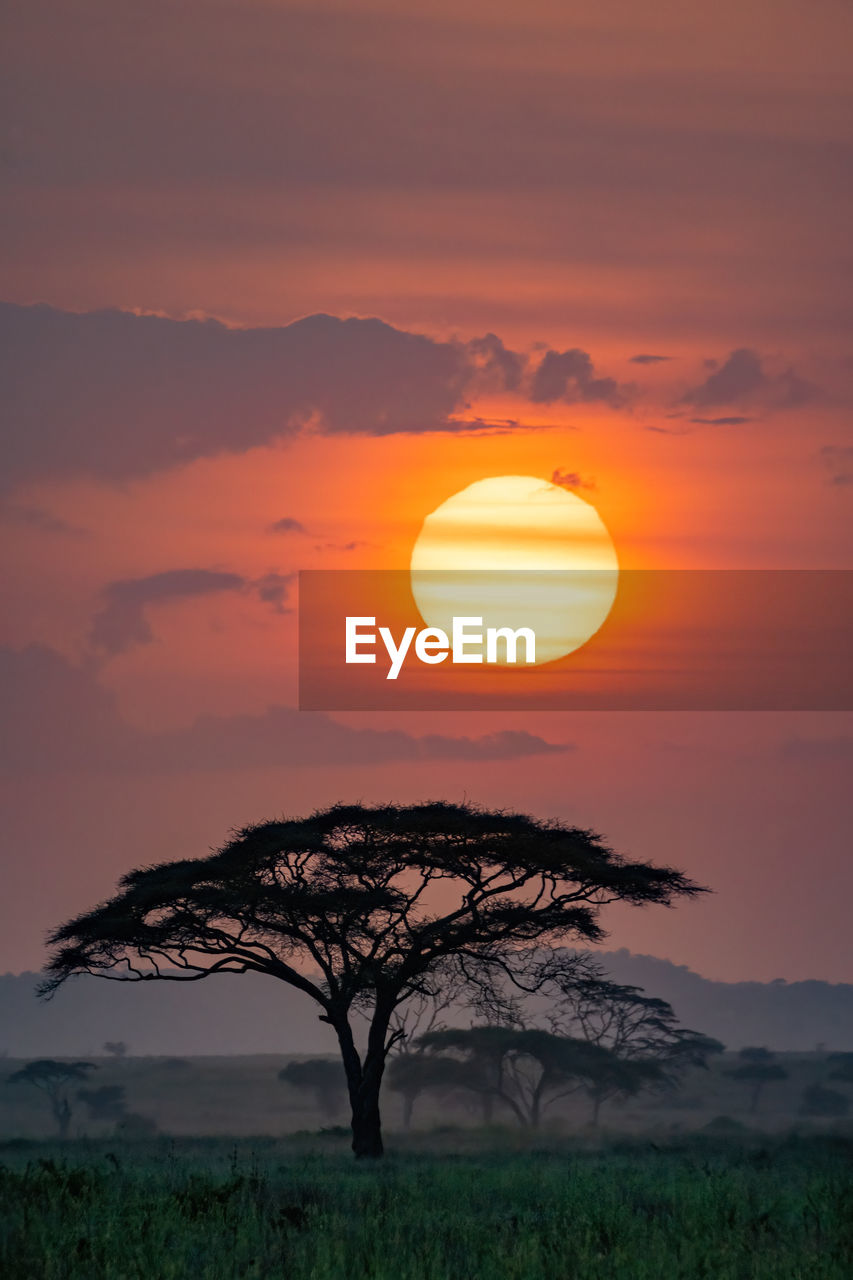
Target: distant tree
(757, 1075)
(754, 1053)
(54, 1080)
(526, 1069)
(648, 1046)
(106, 1103)
(323, 1077)
(842, 1067)
(820, 1101)
(384, 904)
(116, 1048)
(133, 1125)
(412, 1074)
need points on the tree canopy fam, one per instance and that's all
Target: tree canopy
(321, 1076)
(362, 909)
(758, 1074)
(524, 1068)
(649, 1047)
(53, 1078)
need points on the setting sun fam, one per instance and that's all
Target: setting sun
(519, 552)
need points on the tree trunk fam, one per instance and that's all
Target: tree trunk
(367, 1126)
(364, 1080)
(408, 1108)
(756, 1094)
(488, 1103)
(62, 1115)
(596, 1108)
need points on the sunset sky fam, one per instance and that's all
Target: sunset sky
(280, 279)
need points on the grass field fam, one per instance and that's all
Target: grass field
(461, 1205)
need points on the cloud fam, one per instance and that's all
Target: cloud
(743, 377)
(572, 480)
(56, 717)
(643, 358)
(118, 395)
(37, 518)
(122, 622)
(497, 365)
(287, 524)
(721, 422)
(273, 589)
(838, 460)
(355, 544)
(570, 376)
(505, 745)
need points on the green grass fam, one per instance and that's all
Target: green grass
(301, 1209)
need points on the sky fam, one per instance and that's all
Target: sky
(279, 280)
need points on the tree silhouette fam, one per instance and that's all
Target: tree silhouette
(107, 1102)
(758, 1074)
(362, 909)
(755, 1053)
(842, 1067)
(53, 1079)
(525, 1068)
(649, 1046)
(321, 1076)
(820, 1101)
(116, 1048)
(411, 1074)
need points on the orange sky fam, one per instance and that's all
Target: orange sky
(672, 182)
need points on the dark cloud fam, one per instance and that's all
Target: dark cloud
(354, 545)
(273, 588)
(494, 426)
(721, 422)
(122, 622)
(287, 524)
(37, 518)
(496, 363)
(570, 376)
(643, 358)
(116, 395)
(744, 377)
(56, 717)
(572, 480)
(504, 745)
(838, 459)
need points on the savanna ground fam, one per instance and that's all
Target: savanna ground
(435, 1209)
(771, 1201)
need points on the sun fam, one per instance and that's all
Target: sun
(517, 551)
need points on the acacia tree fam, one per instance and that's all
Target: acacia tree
(362, 909)
(54, 1079)
(322, 1077)
(525, 1068)
(842, 1067)
(649, 1047)
(412, 1074)
(757, 1075)
(107, 1102)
